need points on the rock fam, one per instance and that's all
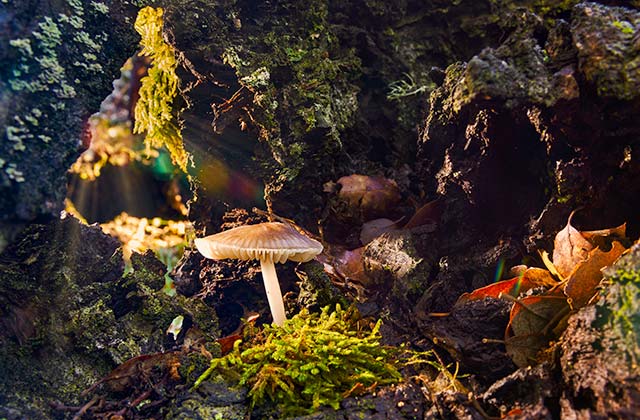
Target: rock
(391, 260)
(608, 49)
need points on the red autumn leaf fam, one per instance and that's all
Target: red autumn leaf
(372, 196)
(582, 283)
(512, 287)
(528, 279)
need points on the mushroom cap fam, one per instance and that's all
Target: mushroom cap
(272, 242)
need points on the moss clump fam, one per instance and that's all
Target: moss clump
(158, 89)
(313, 360)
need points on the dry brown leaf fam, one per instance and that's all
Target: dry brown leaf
(603, 237)
(530, 325)
(569, 249)
(344, 264)
(547, 263)
(523, 349)
(374, 228)
(540, 277)
(373, 196)
(583, 282)
(429, 213)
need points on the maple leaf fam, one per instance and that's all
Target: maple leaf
(572, 247)
(583, 281)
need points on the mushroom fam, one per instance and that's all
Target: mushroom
(270, 243)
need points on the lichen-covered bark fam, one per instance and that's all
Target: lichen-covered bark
(59, 59)
(601, 347)
(309, 82)
(524, 133)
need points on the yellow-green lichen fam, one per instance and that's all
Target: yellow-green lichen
(154, 113)
(39, 65)
(624, 300)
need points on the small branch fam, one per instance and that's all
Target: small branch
(84, 408)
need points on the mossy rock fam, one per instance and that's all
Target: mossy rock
(69, 317)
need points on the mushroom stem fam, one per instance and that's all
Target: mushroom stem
(274, 295)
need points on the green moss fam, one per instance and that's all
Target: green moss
(316, 288)
(313, 360)
(158, 89)
(320, 92)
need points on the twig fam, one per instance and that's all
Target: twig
(84, 408)
(479, 408)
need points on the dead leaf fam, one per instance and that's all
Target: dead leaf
(530, 323)
(540, 277)
(429, 213)
(569, 249)
(350, 266)
(603, 237)
(583, 282)
(131, 371)
(346, 265)
(227, 342)
(532, 314)
(374, 228)
(517, 270)
(528, 279)
(373, 196)
(547, 263)
(523, 349)
(512, 287)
